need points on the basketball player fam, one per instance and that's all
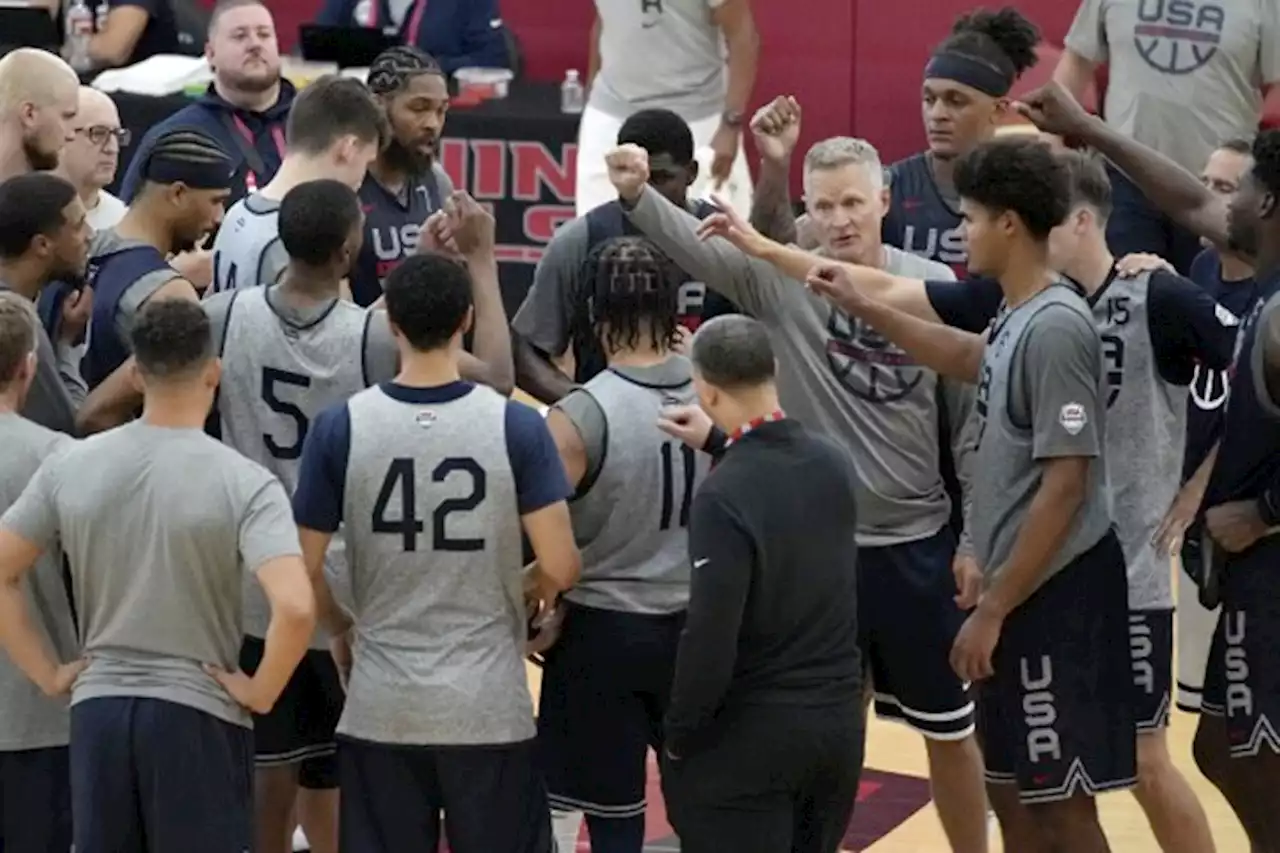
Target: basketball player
(44, 236)
(607, 682)
(555, 303)
(841, 377)
(185, 183)
(1057, 703)
(333, 131)
(35, 793)
(39, 95)
(160, 524)
(432, 479)
(405, 184)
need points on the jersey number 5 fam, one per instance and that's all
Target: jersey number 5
(402, 473)
(271, 378)
(689, 462)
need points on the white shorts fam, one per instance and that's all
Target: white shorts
(598, 135)
(1195, 635)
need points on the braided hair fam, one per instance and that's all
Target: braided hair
(392, 69)
(188, 145)
(628, 289)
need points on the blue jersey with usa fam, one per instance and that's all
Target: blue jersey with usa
(1209, 387)
(392, 223)
(920, 219)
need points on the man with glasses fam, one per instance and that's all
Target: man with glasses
(90, 159)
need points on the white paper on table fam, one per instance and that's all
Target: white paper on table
(158, 75)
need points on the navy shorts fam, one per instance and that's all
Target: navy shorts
(1151, 645)
(1057, 719)
(35, 801)
(1242, 681)
(493, 798)
(606, 685)
(299, 730)
(153, 775)
(907, 623)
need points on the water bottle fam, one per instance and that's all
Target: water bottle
(100, 19)
(573, 97)
(79, 21)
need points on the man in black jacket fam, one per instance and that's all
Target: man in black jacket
(764, 733)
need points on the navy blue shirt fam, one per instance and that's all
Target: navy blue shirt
(457, 33)
(535, 463)
(920, 220)
(1209, 386)
(392, 225)
(160, 35)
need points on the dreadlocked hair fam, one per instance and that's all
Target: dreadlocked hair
(392, 69)
(628, 289)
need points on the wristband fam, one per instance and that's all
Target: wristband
(716, 440)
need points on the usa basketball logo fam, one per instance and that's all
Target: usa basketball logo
(1178, 36)
(866, 362)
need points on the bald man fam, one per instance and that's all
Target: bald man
(90, 159)
(39, 96)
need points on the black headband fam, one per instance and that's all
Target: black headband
(214, 174)
(969, 71)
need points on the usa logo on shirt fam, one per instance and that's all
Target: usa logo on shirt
(1178, 36)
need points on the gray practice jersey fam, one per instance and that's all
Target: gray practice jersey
(159, 525)
(429, 508)
(282, 366)
(247, 251)
(660, 53)
(1040, 397)
(1145, 438)
(837, 375)
(632, 523)
(32, 720)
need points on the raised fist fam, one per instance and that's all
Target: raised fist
(628, 170)
(1052, 109)
(776, 128)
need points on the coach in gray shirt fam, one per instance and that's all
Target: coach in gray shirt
(44, 237)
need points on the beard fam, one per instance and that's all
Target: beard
(40, 159)
(408, 160)
(251, 82)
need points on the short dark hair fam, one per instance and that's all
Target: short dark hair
(1090, 184)
(1004, 39)
(629, 291)
(31, 205)
(171, 338)
(1237, 145)
(17, 335)
(189, 147)
(733, 352)
(1266, 160)
(392, 69)
(223, 6)
(659, 132)
(330, 108)
(315, 219)
(1018, 175)
(427, 298)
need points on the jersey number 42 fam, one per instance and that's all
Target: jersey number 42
(401, 481)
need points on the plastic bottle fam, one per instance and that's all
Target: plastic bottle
(79, 21)
(573, 97)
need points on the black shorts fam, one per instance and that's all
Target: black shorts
(35, 801)
(907, 623)
(606, 685)
(1151, 644)
(1056, 719)
(492, 797)
(1242, 681)
(300, 728)
(153, 775)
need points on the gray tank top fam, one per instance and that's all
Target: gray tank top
(1009, 399)
(631, 517)
(247, 251)
(1146, 435)
(281, 368)
(433, 539)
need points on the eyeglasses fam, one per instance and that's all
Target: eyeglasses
(100, 133)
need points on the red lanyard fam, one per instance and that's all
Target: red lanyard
(277, 136)
(415, 18)
(737, 434)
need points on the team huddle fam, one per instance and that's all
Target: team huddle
(274, 554)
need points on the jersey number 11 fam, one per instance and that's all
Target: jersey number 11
(689, 462)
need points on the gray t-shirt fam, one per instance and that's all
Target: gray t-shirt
(281, 366)
(660, 53)
(836, 375)
(1183, 77)
(1041, 395)
(58, 391)
(31, 719)
(247, 251)
(632, 522)
(159, 525)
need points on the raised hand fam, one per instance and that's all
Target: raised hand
(776, 128)
(628, 170)
(730, 225)
(470, 224)
(437, 235)
(690, 424)
(1052, 109)
(833, 282)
